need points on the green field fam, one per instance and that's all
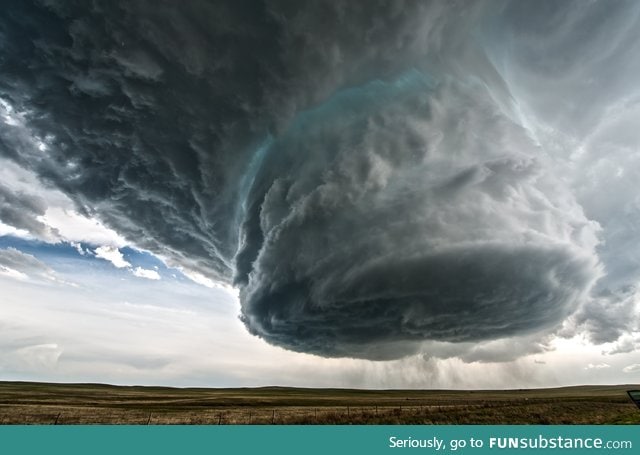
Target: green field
(43, 403)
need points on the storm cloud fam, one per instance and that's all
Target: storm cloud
(21, 211)
(394, 224)
(370, 176)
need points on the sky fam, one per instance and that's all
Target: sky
(406, 194)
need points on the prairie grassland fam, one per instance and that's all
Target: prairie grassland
(41, 403)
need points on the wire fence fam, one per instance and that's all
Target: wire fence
(222, 416)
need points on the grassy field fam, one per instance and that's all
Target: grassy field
(42, 403)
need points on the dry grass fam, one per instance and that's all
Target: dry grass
(36, 403)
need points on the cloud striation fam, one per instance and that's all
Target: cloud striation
(365, 174)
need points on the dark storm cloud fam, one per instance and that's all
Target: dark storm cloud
(21, 211)
(152, 109)
(610, 314)
(395, 224)
(355, 168)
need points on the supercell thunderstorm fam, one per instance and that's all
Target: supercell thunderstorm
(369, 175)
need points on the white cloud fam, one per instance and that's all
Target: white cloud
(113, 255)
(146, 273)
(12, 273)
(5, 229)
(59, 219)
(207, 282)
(31, 358)
(73, 227)
(22, 266)
(597, 366)
(78, 248)
(625, 344)
(635, 368)
(198, 278)
(41, 356)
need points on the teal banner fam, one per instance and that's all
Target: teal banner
(282, 440)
